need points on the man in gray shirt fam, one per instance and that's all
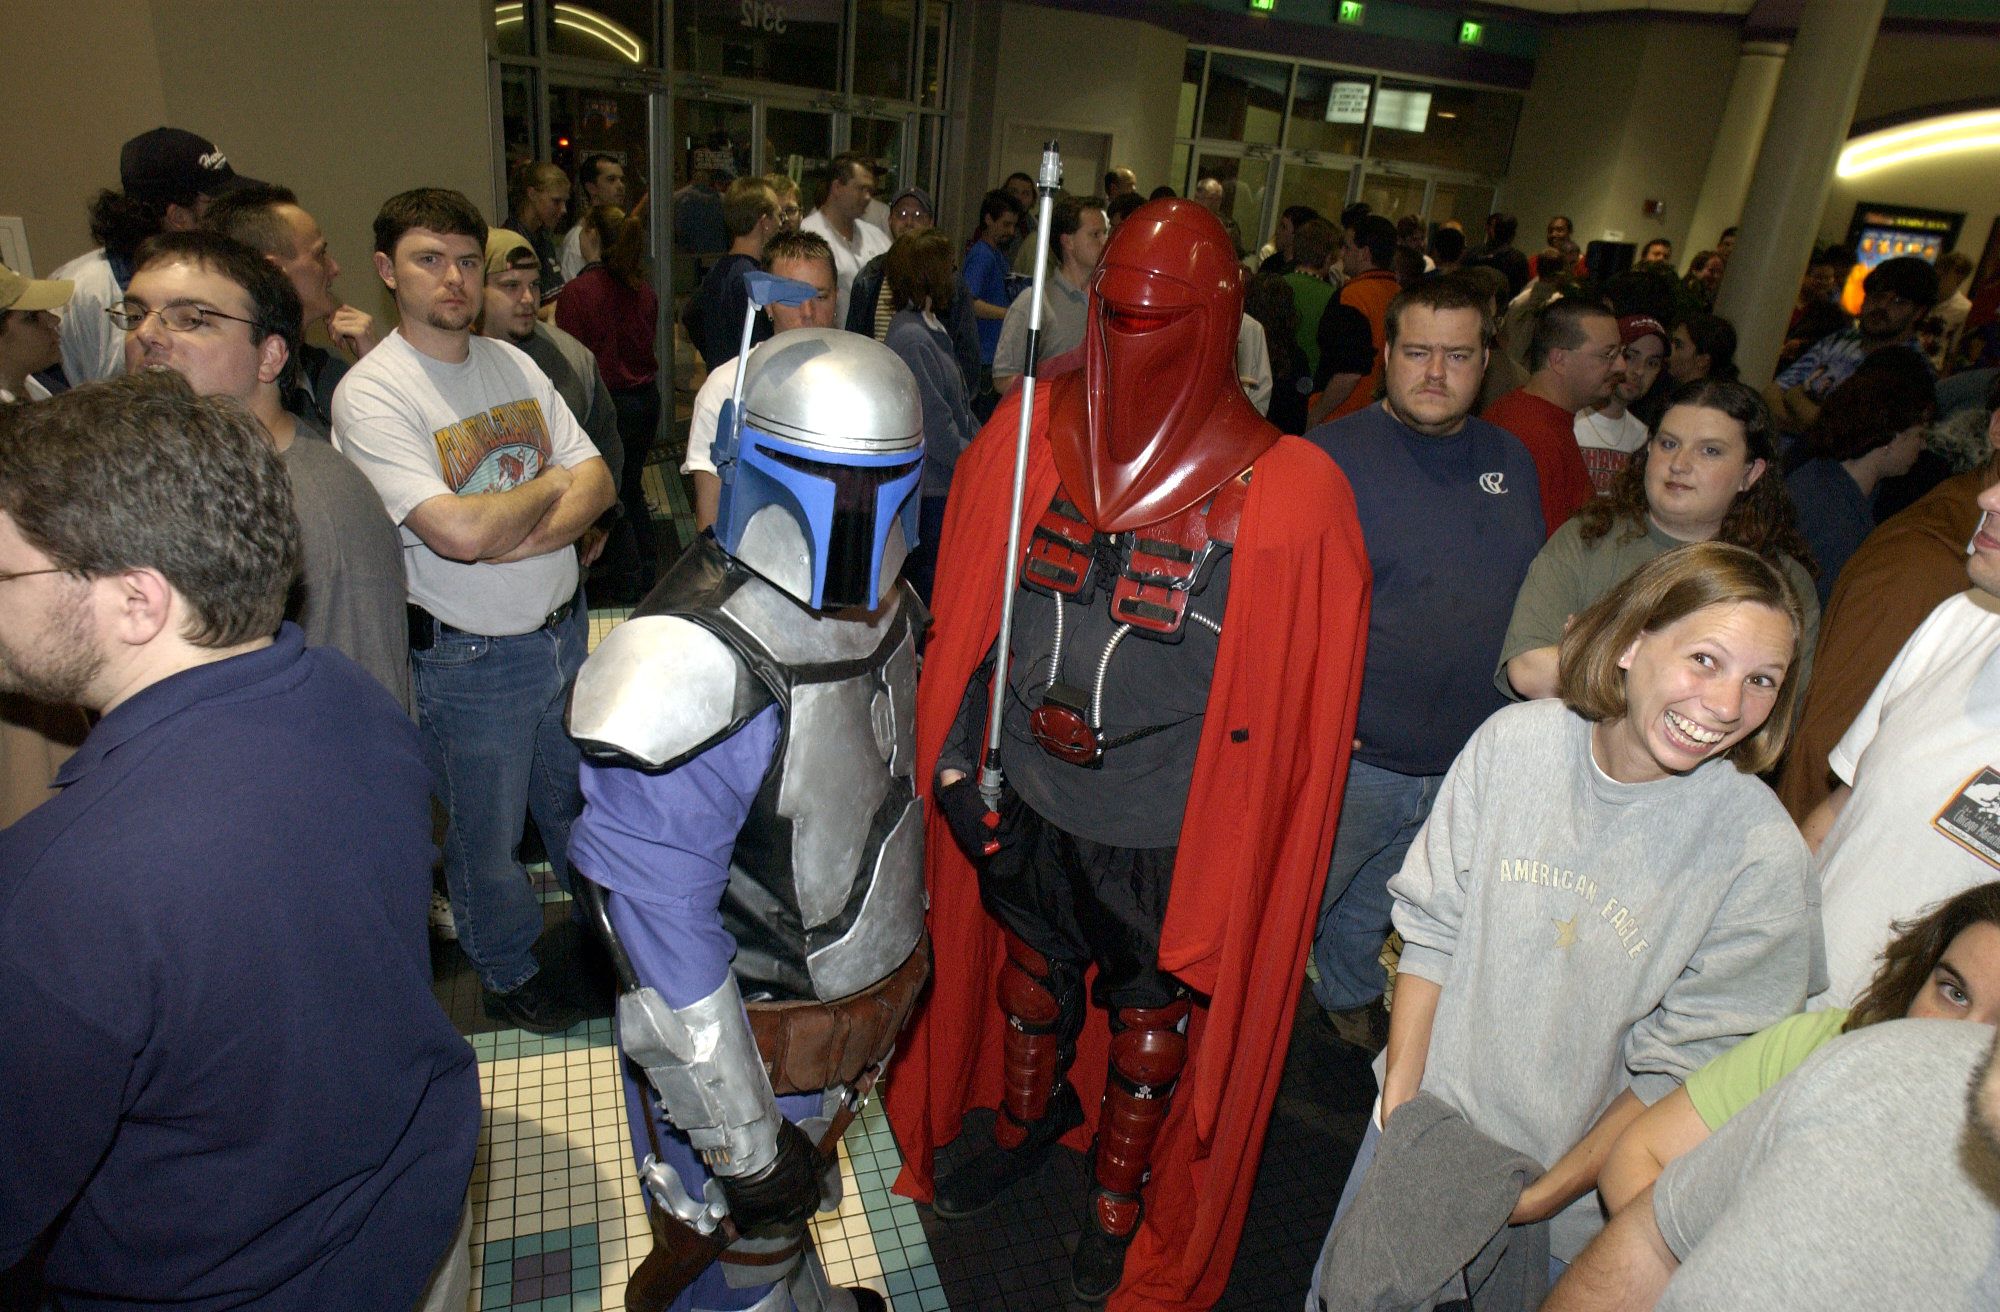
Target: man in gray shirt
(513, 294)
(1857, 1182)
(1077, 233)
(221, 315)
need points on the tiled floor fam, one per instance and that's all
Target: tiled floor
(558, 1221)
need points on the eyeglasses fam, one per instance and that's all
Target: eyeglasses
(180, 317)
(789, 211)
(8, 576)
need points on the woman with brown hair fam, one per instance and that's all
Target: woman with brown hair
(1604, 896)
(611, 308)
(1943, 966)
(922, 277)
(1700, 478)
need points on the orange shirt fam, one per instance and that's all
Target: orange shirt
(1370, 293)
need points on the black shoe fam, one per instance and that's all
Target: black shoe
(1365, 1027)
(977, 1183)
(867, 1300)
(1097, 1265)
(537, 1006)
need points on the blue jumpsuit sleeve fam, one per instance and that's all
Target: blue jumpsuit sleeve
(662, 843)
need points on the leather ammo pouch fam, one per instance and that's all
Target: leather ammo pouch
(809, 1046)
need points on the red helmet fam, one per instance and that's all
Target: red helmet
(1166, 421)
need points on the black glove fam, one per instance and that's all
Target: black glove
(779, 1199)
(964, 810)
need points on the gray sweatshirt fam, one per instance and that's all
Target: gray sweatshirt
(1588, 936)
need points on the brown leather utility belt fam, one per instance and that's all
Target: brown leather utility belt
(809, 1046)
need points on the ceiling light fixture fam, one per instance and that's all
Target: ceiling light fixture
(585, 22)
(1948, 134)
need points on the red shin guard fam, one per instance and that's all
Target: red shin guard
(1033, 1058)
(1148, 1051)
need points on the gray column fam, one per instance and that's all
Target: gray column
(1788, 190)
(1737, 139)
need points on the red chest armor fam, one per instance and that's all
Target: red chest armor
(1151, 579)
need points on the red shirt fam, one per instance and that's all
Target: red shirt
(618, 324)
(1549, 433)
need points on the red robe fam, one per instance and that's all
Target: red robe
(1253, 853)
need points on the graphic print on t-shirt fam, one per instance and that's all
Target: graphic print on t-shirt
(496, 451)
(1972, 817)
(1619, 917)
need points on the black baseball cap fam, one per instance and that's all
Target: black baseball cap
(175, 165)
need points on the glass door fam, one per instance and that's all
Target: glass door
(798, 143)
(586, 120)
(711, 148)
(882, 140)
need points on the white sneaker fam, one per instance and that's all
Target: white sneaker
(442, 925)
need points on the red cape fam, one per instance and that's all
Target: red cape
(1253, 852)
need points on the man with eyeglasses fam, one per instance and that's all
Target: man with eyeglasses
(227, 1082)
(1896, 296)
(222, 316)
(1575, 359)
(868, 310)
(167, 180)
(479, 460)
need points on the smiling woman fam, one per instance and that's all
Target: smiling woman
(1581, 858)
(1700, 478)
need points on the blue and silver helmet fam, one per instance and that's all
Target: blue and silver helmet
(820, 480)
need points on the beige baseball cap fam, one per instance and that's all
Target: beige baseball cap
(500, 248)
(18, 293)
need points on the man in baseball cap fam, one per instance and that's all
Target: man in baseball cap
(175, 166)
(28, 331)
(167, 177)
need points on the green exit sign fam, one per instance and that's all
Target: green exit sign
(1263, 6)
(1471, 34)
(1351, 11)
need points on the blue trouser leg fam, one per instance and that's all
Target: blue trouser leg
(1380, 815)
(491, 712)
(710, 1291)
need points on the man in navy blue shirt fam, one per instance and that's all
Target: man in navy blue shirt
(225, 1081)
(1451, 512)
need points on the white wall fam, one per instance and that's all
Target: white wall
(1115, 76)
(345, 101)
(1619, 113)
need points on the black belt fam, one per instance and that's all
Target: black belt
(426, 628)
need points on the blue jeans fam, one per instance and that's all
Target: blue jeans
(491, 712)
(1379, 816)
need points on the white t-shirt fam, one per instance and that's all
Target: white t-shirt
(1606, 442)
(869, 241)
(420, 428)
(93, 347)
(1253, 363)
(570, 258)
(1923, 822)
(707, 412)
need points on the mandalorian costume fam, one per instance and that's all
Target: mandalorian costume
(751, 835)
(1176, 724)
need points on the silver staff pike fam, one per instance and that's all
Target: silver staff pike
(990, 778)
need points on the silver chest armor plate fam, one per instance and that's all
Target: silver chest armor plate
(826, 892)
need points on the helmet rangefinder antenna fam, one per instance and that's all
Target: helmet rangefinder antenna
(1045, 191)
(764, 289)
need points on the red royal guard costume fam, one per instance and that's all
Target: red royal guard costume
(1145, 468)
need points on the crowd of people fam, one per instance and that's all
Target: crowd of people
(1613, 740)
